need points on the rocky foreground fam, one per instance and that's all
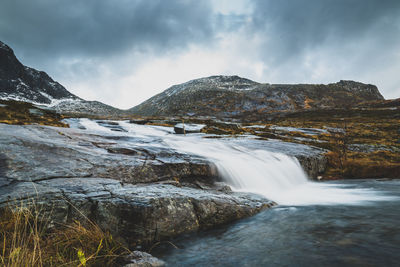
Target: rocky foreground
(136, 187)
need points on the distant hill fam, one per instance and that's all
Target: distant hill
(234, 97)
(22, 83)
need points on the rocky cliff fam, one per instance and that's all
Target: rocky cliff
(22, 83)
(234, 97)
(27, 84)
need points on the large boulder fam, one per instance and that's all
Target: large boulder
(137, 214)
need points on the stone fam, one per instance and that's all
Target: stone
(140, 121)
(142, 259)
(182, 128)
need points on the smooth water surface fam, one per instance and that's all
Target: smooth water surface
(315, 235)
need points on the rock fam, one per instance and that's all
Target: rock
(113, 123)
(41, 153)
(140, 122)
(138, 188)
(71, 175)
(142, 259)
(36, 112)
(122, 150)
(313, 165)
(307, 131)
(182, 128)
(137, 214)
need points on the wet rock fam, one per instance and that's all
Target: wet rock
(137, 214)
(36, 112)
(118, 129)
(142, 259)
(307, 131)
(122, 150)
(313, 165)
(41, 153)
(140, 122)
(139, 190)
(137, 187)
(113, 123)
(182, 128)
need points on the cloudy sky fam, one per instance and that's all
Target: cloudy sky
(123, 52)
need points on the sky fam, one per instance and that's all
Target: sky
(124, 52)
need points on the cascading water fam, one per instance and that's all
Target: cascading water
(276, 176)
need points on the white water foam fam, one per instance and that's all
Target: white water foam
(277, 176)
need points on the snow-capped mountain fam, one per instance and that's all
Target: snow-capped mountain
(22, 83)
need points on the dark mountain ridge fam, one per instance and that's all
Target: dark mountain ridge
(233, 96)
(22, 83)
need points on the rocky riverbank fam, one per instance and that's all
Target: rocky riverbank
(136, 187)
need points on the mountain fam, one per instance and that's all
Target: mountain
(22, 83)
(234, 97)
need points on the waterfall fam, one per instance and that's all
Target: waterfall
(277, 176)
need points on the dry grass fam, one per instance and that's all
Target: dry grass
(26, 240)
(379, 164)
(20, 113)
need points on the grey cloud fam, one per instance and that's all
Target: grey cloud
(87, 28)
(292, 27)
(80, 40)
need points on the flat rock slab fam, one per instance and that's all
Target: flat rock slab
(139, 214)
(34, 153)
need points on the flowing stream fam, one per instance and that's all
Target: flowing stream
(346, 223)
(366, 234)
(247, 168)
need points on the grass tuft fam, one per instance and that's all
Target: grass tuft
(26, 240)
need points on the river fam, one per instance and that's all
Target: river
(365, 234)
(342, 223)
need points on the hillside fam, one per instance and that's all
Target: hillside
(235, 97)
